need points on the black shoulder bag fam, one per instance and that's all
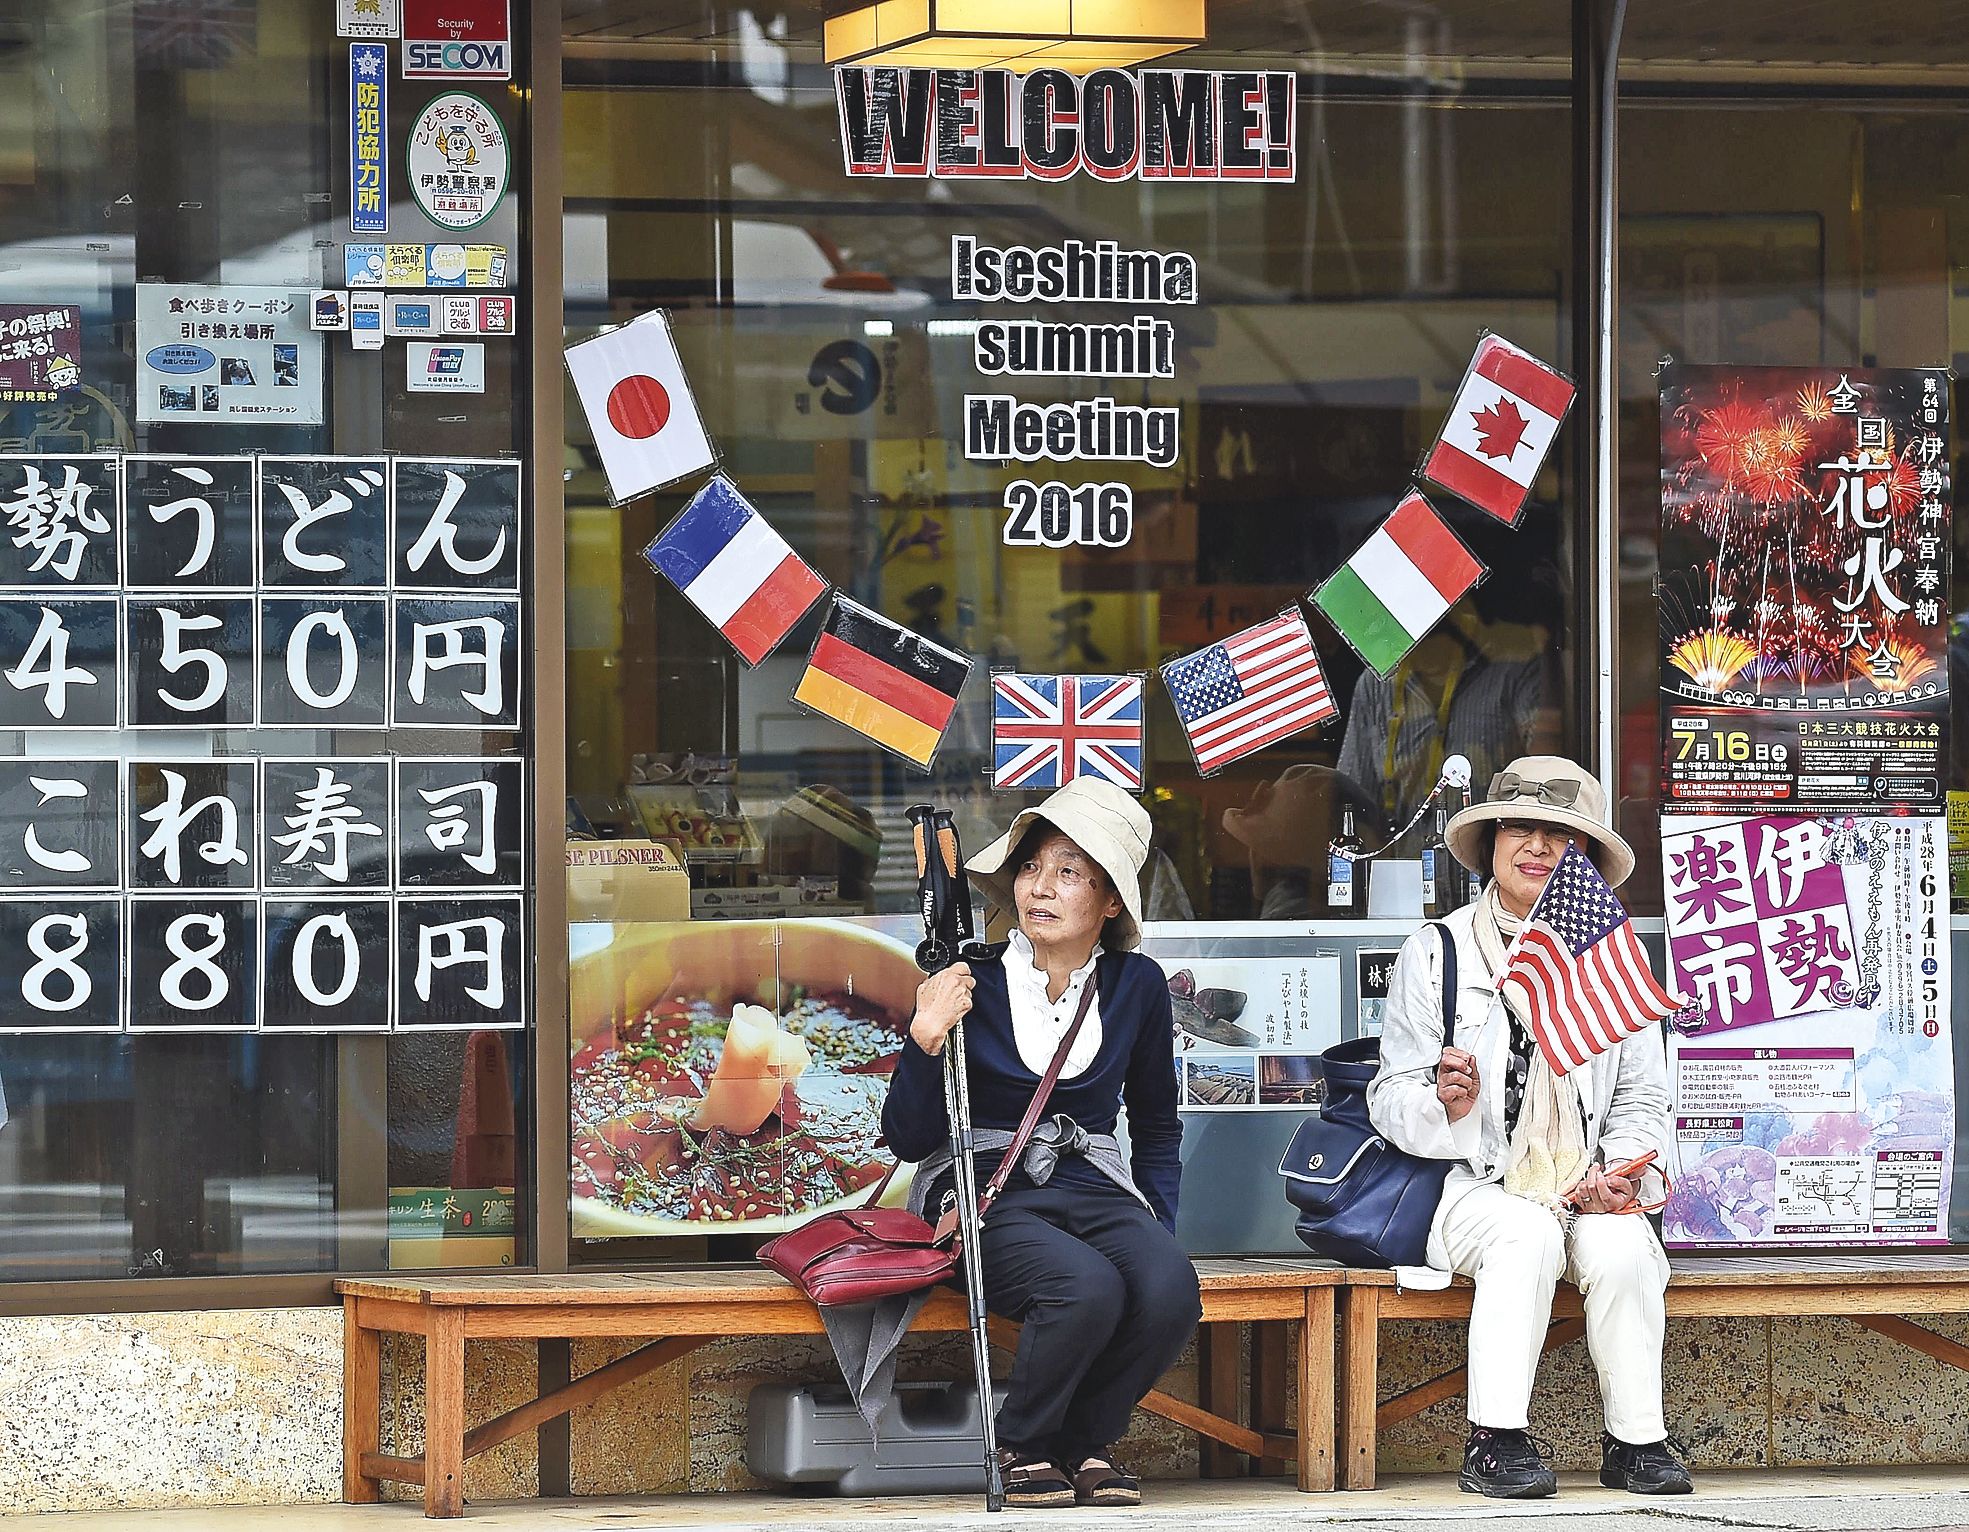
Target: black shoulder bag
(1362, 1201)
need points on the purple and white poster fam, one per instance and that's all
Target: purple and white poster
(1812, 1073)
(40, 351)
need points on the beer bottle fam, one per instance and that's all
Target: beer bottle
(1346, 877)
(1471, 880)
(1442, 875)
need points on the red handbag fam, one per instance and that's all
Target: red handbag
(858, 1255)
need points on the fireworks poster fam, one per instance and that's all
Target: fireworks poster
(1813, 1071)
(1804, 588)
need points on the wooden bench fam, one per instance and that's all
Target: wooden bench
(1874, 1290)
(679, 1311)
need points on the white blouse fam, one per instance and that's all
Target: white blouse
(1039, 1023)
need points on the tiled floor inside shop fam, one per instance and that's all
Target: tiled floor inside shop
(1851, 1500)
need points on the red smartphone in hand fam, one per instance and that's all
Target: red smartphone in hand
(1633, 1170)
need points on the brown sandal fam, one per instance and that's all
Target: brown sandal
(1100, 1481)
(1034, 1483)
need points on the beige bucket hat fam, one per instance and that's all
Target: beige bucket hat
(1102, 821)
(1551, 790)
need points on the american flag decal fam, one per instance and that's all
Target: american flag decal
(1579, 977)
(1047, 730)
(1255, 687)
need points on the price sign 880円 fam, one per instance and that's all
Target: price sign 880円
(151, 891)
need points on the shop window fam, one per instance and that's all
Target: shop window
(830, 356)
(238, 1030)
(1793, 202)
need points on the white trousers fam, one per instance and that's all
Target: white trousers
(1515, 1251)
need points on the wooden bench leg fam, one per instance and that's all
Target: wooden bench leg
(444, 1415)
(1217, 1348)
(1271, 1364)
(1316, 1383)
(362, 1409)
(1360, 1341)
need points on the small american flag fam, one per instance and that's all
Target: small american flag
(1579, 976)
(1255, 687)
(1047, 730)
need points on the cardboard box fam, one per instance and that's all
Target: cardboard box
(626, 881)
(742, 903)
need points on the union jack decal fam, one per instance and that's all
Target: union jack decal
(1047, 730)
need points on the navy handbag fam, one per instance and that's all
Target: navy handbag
(1362, 1201)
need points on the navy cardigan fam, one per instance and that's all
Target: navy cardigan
(1136, 1066)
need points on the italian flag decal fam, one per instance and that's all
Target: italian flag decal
(1500, 429)
(1399, 584)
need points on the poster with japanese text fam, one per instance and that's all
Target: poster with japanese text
(1374, 969)
(1251, 1016)
(241, 355)
(40, 351)
(1804, 588)
(1813, 1073)
(208, 881)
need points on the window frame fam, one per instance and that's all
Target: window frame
(543, 1178)
(1595, 32)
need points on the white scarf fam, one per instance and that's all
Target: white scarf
(1547, 1154)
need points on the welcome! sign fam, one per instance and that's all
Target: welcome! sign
(1156, 124)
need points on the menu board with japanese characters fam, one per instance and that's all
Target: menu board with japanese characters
(157, 875)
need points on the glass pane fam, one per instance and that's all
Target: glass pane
(175, 185)
(832, 358)
(1789, 201)
(1760, 232)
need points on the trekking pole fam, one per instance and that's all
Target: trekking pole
(958, 1096)
(946, 899)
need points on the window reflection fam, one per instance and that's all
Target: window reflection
(142, 144)
(816, 319)
(1757, 233)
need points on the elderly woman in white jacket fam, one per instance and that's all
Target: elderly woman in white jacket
(1523, 1139)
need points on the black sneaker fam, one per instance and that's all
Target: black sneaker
(1646, 1470)
(1506, 1465)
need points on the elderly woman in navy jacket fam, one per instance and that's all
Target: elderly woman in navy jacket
(1080, 1246)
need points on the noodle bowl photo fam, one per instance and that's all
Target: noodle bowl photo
(729, 1078)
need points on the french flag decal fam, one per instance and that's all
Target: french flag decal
(735, 569)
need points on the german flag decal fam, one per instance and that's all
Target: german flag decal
(880, 679)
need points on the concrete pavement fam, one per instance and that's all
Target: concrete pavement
(1795, 1500)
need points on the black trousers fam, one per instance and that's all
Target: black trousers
(1107, 1299)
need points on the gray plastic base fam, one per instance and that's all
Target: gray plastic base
(811, 1435)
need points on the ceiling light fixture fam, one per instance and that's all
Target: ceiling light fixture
(1078, 36)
